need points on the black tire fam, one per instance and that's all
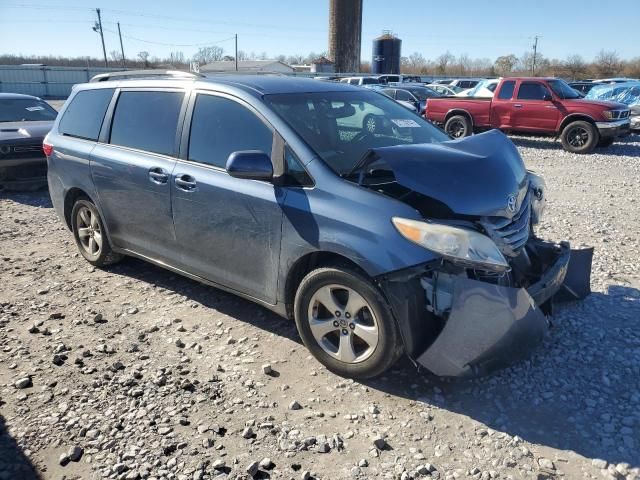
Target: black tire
(81, 221)
(458, 126)
(606, 142)
(389, 345)
(579, 137)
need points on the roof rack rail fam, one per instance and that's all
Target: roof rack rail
(134, 74)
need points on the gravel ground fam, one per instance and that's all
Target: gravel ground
(134, 372)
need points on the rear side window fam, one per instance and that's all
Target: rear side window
(147, 121)
(506, 91)
(84, 115)
(221, 126)
(532, 91)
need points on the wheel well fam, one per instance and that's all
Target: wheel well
(69, 200)
(306, 264)
(576, 118)
(464, 113)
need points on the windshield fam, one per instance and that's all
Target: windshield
(562, 89)
(25, 110)
(422, 93)
(342, 126)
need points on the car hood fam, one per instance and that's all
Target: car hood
(24, 130)
(474, 176)
(580, 102)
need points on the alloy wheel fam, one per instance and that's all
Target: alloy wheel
(343, 323)
(577, 137)
(456, 129)
(89, 231)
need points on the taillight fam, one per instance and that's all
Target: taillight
(47, 148)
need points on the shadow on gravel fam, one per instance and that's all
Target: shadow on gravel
(209, 297)
(37, 198)
(14, 464)
(579, 392)
(624, 147)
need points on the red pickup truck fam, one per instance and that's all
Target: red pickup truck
(534, 105)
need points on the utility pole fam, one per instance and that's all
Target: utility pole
(236, 52)
(535, 52)
(98, 28)
(121, 47)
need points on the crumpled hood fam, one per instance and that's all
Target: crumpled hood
(24, 130)
(473, 176)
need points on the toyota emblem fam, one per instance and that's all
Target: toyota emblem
(512, 203)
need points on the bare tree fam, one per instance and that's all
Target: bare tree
(144, 57)
(209, 54)
(607, 63)
(443, 62)
(263, 56)
(417, 62)
(115, 55)
(242, 55)
(575, 66)
(505, 64)
(177, 58)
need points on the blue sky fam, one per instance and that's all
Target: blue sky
(475, 27)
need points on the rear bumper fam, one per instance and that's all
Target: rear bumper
(617, 128)
(23, 173)
(490, 326)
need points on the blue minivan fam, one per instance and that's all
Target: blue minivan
(379, 238)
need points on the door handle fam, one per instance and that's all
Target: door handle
(186, 183)
(517, 105)
(158, 175)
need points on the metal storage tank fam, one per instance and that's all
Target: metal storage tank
(386, 54)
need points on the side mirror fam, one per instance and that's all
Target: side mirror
(547, 97)
(250, 164)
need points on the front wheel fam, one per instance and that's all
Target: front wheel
(579, 137)
(346, 323)
(458, 126)
(90, 235)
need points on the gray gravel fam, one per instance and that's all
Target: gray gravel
(134, 372)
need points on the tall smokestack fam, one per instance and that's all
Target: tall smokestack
(345, 32)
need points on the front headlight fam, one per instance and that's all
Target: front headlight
(453, 243)
(609, 114)
(538, 197)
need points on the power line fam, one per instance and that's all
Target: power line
(130, 37)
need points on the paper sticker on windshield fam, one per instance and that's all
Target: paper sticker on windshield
(35, 109)
(401, 122)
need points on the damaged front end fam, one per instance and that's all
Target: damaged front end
(484, 302)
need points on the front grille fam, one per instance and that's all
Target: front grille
(510, 234)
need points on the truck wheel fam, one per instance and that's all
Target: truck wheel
(579, 137)
(458, 126)
(606, 142)
(90, 235)
(346, 323)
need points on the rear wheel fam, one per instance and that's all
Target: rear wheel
(579, 137)
(606, 142)
(346, 323)
(458, 126)
(90, 235)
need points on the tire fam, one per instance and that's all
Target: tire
(90, 235)
(335, 340)
(579, 137)
(606, 142)
(458, 126)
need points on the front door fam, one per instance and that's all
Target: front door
(132, 171)
(534, 108)
(227, 229)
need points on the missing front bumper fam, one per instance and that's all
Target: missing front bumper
(491, 326)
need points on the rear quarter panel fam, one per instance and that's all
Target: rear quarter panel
(478, 108)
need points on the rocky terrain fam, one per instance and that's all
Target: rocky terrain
(134, 372)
